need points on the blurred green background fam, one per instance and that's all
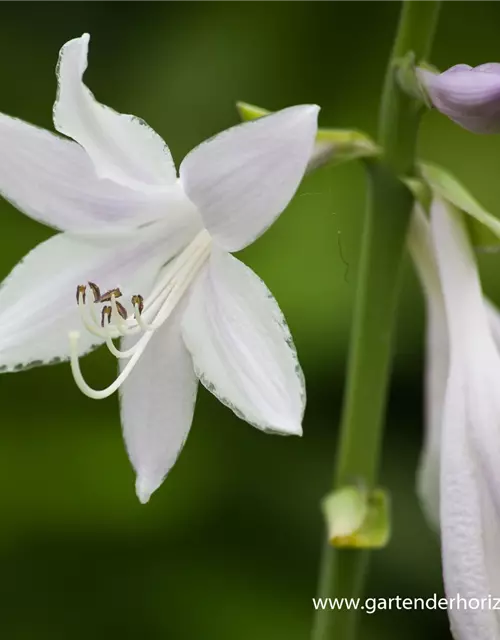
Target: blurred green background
(228, 548)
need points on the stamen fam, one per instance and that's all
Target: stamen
(106, 297)
(105, 314)
(121, 310)
(117, 352)
(91, 325)
(138, 301)
(139, 320)
(119, 319)
(96, 394)
(81, 291)
(95, 290)
(148, 315)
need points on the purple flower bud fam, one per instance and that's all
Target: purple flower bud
(470, 96)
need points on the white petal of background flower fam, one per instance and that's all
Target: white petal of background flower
(38, 299)
(436, 363)
(436, 377)
(242, 348)
(468, 522)
(471, 340)
(53, 180)
(460, 282)
(494, 321)
(157, 404)
(470, 486)
(123, 148)
(243, 178)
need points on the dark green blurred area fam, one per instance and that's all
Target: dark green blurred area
(228, 548)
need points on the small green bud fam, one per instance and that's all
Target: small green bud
(357, 518)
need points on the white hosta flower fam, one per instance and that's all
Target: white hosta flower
(470, 437)
(196, 312)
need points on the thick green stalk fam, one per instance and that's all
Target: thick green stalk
(383, 245)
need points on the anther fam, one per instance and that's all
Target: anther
(105, 313)
(81, 291)
(96, 291)
(106, 297)
(138, 301)
(121, 310)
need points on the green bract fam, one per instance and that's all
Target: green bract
(405, 69)
(484, 227)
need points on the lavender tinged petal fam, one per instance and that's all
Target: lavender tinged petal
(469, 96)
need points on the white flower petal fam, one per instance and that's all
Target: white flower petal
(437, 360)
(241, 347)
(243, 178)
(53, 180)
(470, 482)
(471, 343)
(436, 376)
(460, 282)
(157, 404)
(436, 364)
(38, 299)
(122, 147)
(470, 523)
(494, 321)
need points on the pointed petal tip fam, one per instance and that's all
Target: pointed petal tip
(82, 41)
(144, 489)
(296, 430)
(313, 109)
(287, 429)
(307, 110)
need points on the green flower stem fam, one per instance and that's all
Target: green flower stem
(383, 244)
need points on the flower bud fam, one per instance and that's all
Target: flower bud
(357, 518)
(470, 96)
